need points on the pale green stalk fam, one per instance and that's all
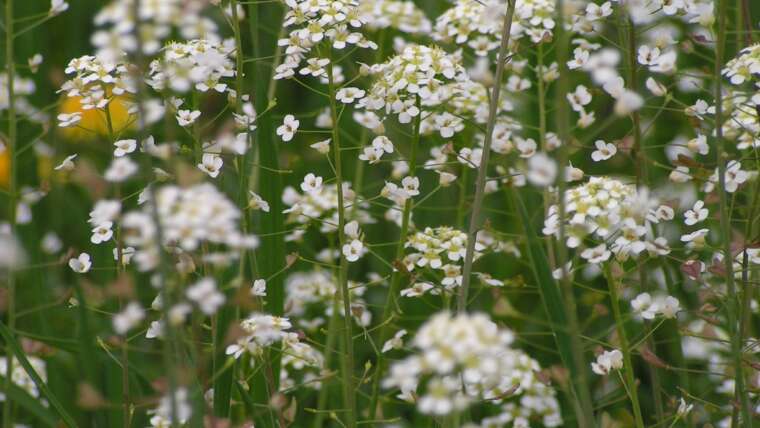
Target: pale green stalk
(630, 379)
(10, 68)
(348, 358)
(733, 305)
(480, 185)
(390, 300)
(580, 383)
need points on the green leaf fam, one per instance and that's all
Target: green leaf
(13, 345)
(30, 404)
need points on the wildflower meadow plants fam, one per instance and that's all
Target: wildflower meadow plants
(387, 213)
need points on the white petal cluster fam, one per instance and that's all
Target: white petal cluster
(159, 20)
(604, 208)
(189, 217)
(318, 289)
(199, 64)
(310, 22)
(463, 359)
(442, 250)
(321, 203)
(404, 16)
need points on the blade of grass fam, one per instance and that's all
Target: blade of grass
(12, 345)
(568, 344)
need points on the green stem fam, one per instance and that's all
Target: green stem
(582, 392)
(11, 148)
(480, 185)
(630, 380)
(390, 300)
(733, 305)
(348, 358)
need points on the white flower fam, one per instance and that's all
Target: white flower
(353, 250)
(259, 288)
(311, 183)
(120, 170)
(124, 147)
(700, 109)
(603, 151)
(596, 255)
(186, 117)
(608, 361)
(648, 56)
(211, 164)
(542, 170)
(322, 147)
(580, 98)
(351, 229)
(656, 88)
(669, 307)
(734, 176)
(697, 214)
(81, 264)
(256, 202)
(446, 178)
(349, 94)
(288, 128)
(643, 306)
(628, 102)
(34, 62)
(66, 120)
(411, 185)
(102, 233)
(128, 318)
(67, 164)
(683, 408)
(395, 342)
(58, 6)
(206, 296)
(699, 145)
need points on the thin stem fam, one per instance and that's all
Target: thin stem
(348, 358)
(390, 301)
(480, 185)
(624, 346)
(11, 148)
(733, 305)
(581, 390)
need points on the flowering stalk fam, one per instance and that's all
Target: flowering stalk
(390, 301)
(733, 305)
(628, 42)
(584, 405)
(630, 380)
(348, 358)
(483, 168)
(11, 148)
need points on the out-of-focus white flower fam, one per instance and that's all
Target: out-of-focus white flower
(81, 264)
(607, 361)
(58, 6)
(120, 170)
(259, 288)
(288, 128)
(542, 170)
(124, 147)
(396, 342)
(206, 296)
(67, 164)
(128, 318)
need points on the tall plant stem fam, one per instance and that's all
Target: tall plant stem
(733, 305)
(480, 184)
(390, 300)
(171, 342)
(348, 358)
(624, 346)
(580, 382)
(10, 69)
(628, 41)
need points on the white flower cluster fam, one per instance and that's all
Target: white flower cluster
(318, 289)
(404, 16)
(442, 250)
(479, 23)
(315, 21)
(200, 64)
(463, 359)
(159, 19)
(97, 83)
(21, 379)
(744, 73)
(418, 73)
(648, 308)
(321, 203)
(189, 217)
(604, 208)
